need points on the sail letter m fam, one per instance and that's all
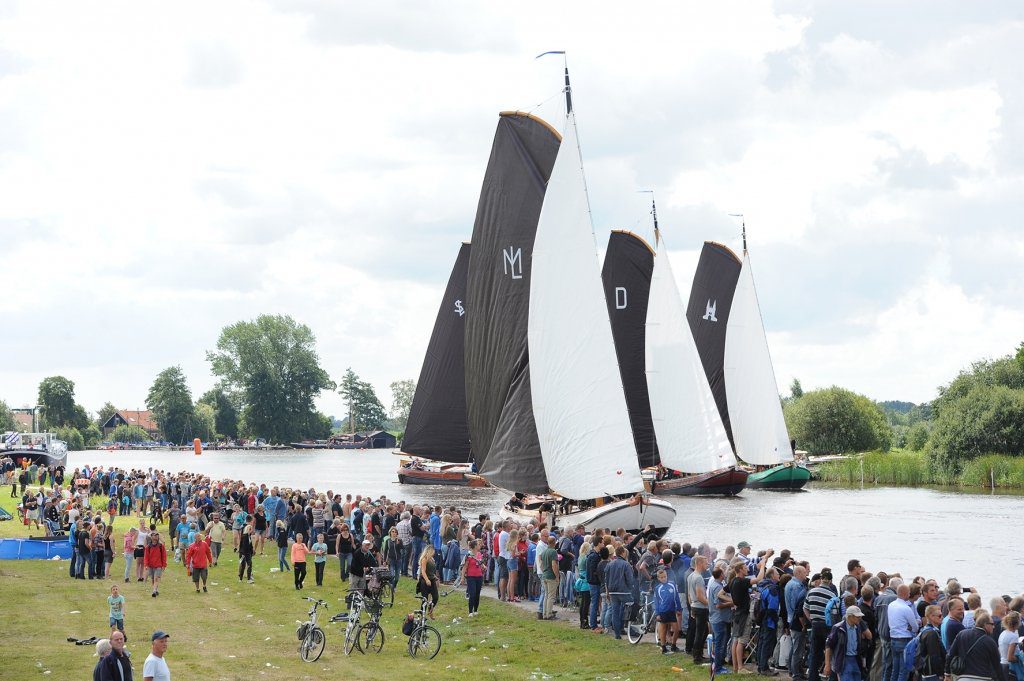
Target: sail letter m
(514, 262)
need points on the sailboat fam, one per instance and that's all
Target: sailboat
(437, 434)
(734, 352)
(547, 413)
(692, 447)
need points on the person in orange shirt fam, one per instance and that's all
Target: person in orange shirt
(299, 553)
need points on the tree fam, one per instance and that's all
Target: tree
(225, 412)
(796, 391)
(72, 436)
(204, 426)
(6, 418)
(105, 412)
(170, 400)
(365, 411)
(402, 393)
(988, 419)
(57, 401)
(272, 363)
(128, 434)
(92, 436)
(835, 420)
(917, 436)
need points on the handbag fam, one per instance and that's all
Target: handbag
(958, 663)
(581, 584)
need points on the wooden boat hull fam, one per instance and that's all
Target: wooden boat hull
(782, 477)
(412, 476)
(725, 482)
(632, 517)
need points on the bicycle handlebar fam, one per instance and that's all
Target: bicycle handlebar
(316, 600)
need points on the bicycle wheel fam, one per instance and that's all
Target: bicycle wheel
(387, 594)
(637, 627)
(350, 636)
(425, 642)
(313, 645)
(370, 638)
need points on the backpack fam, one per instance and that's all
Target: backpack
(910, 653)
(833, 611)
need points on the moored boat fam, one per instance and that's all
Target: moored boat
(786, 476)
(43, 449)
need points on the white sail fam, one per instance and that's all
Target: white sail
(758, 427)
(691, 436)
(578, 402)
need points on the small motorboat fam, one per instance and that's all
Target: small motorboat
(423, 472)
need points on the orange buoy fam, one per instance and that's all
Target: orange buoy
(197, 445)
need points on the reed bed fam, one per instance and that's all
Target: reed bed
(916, 468)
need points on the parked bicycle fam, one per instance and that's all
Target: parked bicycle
(424, 639)
(379, 585)
(642, 620)
(361, 636)
(312, 640)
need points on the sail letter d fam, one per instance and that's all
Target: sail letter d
(621, 300)
(514, 262)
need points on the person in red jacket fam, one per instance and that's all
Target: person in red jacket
(155, 560)
(199, 558)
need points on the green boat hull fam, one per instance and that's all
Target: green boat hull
(783, 477)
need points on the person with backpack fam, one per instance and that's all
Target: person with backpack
(974, 653)
(766, 614)
(929, 656)
(844, 645)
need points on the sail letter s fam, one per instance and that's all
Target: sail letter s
(621, 300)
(514, 262)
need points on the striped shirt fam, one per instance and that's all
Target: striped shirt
(816, 600)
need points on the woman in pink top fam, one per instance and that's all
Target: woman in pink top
(299, 553)
(473, 572)
(129, 551)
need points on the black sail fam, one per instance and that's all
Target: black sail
(501, 424)
(714, 284)
(437, 427)
(626, 274)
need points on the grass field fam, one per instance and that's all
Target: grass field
(243, 631)
(900, 467)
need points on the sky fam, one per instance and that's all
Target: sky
(168, 170)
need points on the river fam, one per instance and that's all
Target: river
(916, 531)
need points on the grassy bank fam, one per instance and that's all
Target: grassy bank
(243, 631)
(900, 467)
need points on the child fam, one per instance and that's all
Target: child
(116, 602)
(666, 604)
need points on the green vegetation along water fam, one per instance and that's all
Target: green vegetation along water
(917, 469)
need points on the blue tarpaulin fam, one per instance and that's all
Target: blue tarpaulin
(29, 549)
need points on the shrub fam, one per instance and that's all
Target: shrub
(835, 421)
(72, 436)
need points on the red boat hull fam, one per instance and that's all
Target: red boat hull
(725, 482)
(412, 476)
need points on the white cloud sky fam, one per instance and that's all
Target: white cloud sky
(167, 171)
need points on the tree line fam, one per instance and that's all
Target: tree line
(979, 412)
(269, 376)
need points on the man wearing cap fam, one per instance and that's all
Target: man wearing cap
(842, 649)
(744, 553)
(361, 560)
(155, 667)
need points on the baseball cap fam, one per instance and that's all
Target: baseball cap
(158, 634)
(367, 542)
(743, 545)
(854, 611)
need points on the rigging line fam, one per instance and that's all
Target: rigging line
(539, 105)
(743, 222)
(654, 214)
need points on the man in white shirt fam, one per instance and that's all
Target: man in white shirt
(503, 556)
(155, 667)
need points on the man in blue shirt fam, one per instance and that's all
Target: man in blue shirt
(666, 605)
(953, 623)
(903, 626)
(841, 648)
(795, 590)
(435, 536)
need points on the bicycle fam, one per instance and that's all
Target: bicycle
(359, 636)
(312, 640)
(379, 586)
(423, 638)
(642, 620)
